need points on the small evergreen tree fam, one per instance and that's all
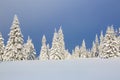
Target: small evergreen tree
(29, 51)
(76, 53)
(95, 48)
(83, 51)
(44, 53)
(2, 47)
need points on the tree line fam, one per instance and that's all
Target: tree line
(106, 46)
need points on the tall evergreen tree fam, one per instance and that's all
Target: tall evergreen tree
(2, 47)
(55, 50)
(58, 51)
(95, 48)
(14, 47)
(64, 53)
(101, 37)
(83, 51)
(29, 51)
(109, 47)
(44, 53)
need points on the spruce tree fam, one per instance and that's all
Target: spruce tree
(2, 47)
(83, 51)
(64, 53)
(76, 53)
(109, 47)
(44, 53)
(29, 51)
(55, 50)
(95, 48)
(58, 52)
(14, 47)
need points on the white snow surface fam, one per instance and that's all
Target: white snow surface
(79, 69)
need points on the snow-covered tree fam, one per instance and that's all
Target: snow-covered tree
(83, 51)
(89, 54)
(58, 51)
(29, 51)
(61, 43)
(109, 47)
(101, 37)
(55, 50)
(93, 50)
(95, 47)
(76, 53)
(101, 43)
(118, 39)
(2, 47)
(67, 55)
(44, 53)
(14, 47)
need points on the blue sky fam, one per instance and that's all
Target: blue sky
(80, 19)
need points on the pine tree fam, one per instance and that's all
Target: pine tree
(95, 48)
(2, 47)
(109, 47)
(118, 39)
(83, 51)
(58, 51)
(44, 53)
(14, 47)
(101, 43)
(55, 50)
(29, 51)
(76, 53)
(64, 53)
(89, 54)
(67, 55)
(101, 37)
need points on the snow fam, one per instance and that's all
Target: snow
(79, 69)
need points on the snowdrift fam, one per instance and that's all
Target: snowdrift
(81, 69)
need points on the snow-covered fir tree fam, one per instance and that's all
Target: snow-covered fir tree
(93, 50)
(109, 47)
(55, 50)
(14, 47)
(118, 39)
(95, 47)
(2, 47)
(29, 51)
(44, 53)
(83, 51)
(67, 55)
(101, 37)
(58, 51)
(101, 43)
(63, 51)
(76, 53)
(89, 54)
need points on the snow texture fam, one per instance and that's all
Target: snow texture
(79, 69)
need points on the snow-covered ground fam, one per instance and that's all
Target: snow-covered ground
(82, 69)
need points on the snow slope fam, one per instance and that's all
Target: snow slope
(82, 69)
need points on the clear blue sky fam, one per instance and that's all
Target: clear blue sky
(80, 19)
